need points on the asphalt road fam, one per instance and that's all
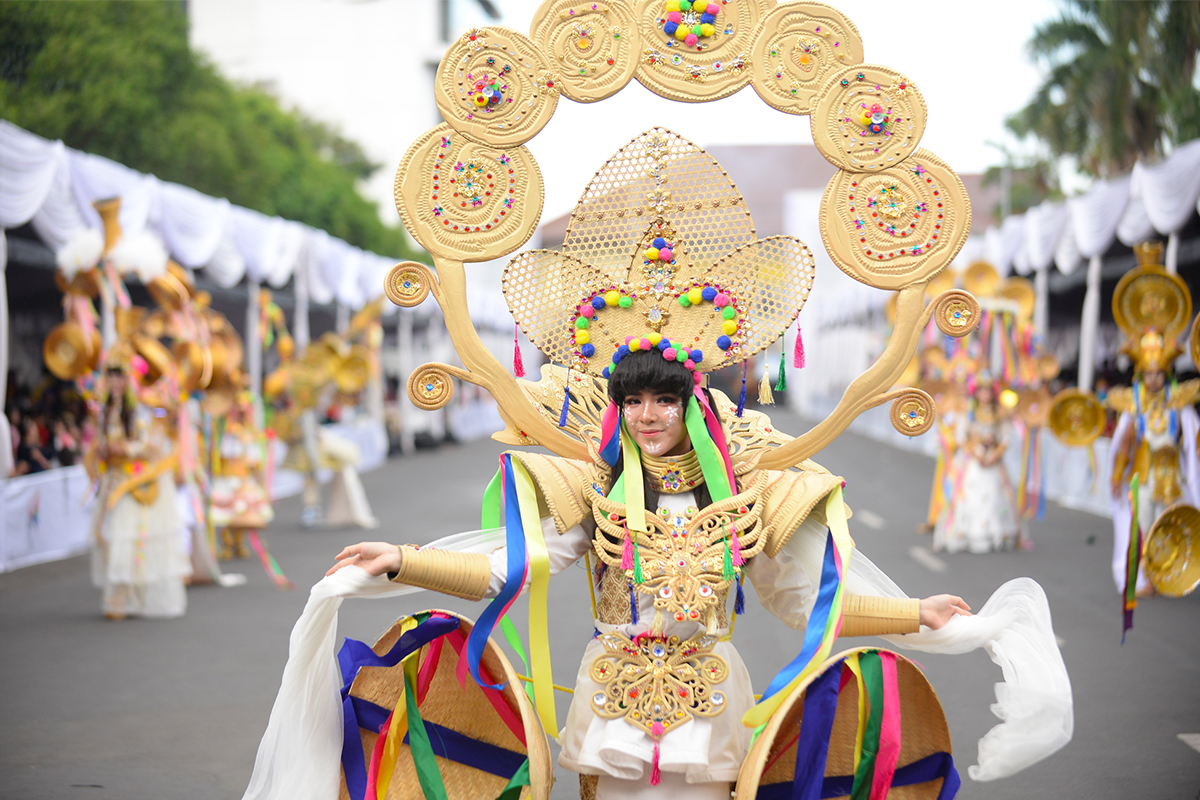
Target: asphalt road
(94, 709)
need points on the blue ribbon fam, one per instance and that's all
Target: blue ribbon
(482, 756)
(812, 748)
(815, 631)
(514, 580)
(930, 768)
(355, 654)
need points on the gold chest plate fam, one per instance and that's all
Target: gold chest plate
(658, 683)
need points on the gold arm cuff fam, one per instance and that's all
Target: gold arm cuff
(464, 575)
(864, 615)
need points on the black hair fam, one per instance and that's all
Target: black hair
(648, 370)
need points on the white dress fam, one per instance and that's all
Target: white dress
(139, 561)
(981, 515)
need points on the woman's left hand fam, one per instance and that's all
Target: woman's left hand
(936, 611)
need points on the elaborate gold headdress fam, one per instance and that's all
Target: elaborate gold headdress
(1152, 307)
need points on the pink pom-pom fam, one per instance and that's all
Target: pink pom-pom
(690, 364)
(645, 343)
(665, 255)
(587, 312)
(628, 339)
(691, 40)
(697, 378)
(721, 300)
(669, 354)
(713, 9)
(675, 17)
(139, 365)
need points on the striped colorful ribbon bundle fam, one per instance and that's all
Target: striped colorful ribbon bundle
(1133, 557)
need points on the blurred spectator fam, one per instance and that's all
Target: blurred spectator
(32, 455)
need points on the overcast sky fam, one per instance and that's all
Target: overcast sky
(359, 64)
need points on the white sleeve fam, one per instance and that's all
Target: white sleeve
(784, 587)
(564, 550)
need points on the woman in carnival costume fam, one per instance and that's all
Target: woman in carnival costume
(138, 558)
(981, 515)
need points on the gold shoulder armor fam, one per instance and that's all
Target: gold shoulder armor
(788, 499)
(560, 483)
(1186, 394)
(1120, 399)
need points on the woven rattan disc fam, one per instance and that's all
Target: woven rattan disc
(1172, 562)
(1076, 417)
(715, 66)
(496, 87)
(897, 227)
(594, 46)
(1151, 297)
(796, 48)
(467, 201)
(868, 118)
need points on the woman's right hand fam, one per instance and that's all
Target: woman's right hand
(377, 558)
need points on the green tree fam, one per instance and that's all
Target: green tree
(1120, 84)
(120, 79)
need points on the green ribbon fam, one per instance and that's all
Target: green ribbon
(490, 513)
(872, 673)
(428, 774)
(519, 781)
(712, 466)
(514, 641)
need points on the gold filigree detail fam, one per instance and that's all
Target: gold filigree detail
(956, 313)
(657, 684)
(430, 387)
(408, 284)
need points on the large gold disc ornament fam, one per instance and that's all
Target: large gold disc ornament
(913, 412)
(496, 87)
(408, 283)
(1171, 551)
(897, 227)
(594, 45)
(868, 118)
(796, 48)
(956, 313)
(1151, 297)
(467, 201)
(1076, 417)
(67, 351)
(692, 60)
(430, 387)
(1020, 291)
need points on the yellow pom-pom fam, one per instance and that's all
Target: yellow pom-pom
(729, 327)
(652, 254)
(612, 298)
(654, 338)
(695, 296)
(582, 337)
(681, 32)
(865, 119)
(672, 5)
(635, 345)
(707, 30)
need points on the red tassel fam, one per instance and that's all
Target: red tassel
(518, 364)
(798, 354)
(627, 556)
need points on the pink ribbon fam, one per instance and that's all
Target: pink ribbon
(889, 730)
(718, 436)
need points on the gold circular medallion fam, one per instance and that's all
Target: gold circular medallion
(1076, 417)
(1170, 554)
(709, 66)
(430, 387)
(494, 86)
(913, 412)
(796, 48)
(468, 201)
(595, 46)
(1151, 297)
(867, 118)
(407, 284)
(1019, 290)
(897, 227)
(956, 313)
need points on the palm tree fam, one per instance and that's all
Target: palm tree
(1120, 84)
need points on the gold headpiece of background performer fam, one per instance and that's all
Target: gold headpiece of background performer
(893, 216)
(1151, 307)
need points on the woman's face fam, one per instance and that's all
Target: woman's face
(655, 421)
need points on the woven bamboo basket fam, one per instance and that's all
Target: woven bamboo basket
(466, 711)
(772, 759)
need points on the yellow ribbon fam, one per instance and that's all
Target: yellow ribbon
(635, 485)
(863, 709)
(395, 735)
(539, 583)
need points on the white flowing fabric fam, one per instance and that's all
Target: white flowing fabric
(300, 753)
(1005, 242)
(1094, 219)
(1170, 189)
(191, 223)
(29, 165)
(1044, 224)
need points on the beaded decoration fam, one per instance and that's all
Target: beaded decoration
(689, 22)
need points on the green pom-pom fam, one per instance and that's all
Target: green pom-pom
(625, 301)
(696, 30)
(728, 313)
(682, 355)
(684, 301)
(581, 323)
(685, 5)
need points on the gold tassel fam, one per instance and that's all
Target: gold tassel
(659, 623)
(765, 397)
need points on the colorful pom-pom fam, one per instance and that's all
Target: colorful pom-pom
(581, 322)
(669, 354)
(706, 29)
(672, 5)
(708, 293)
(690, 364)
(683, 300)
(681, 33)
(676, 17)
(588, 350)
(654, 338)
(691, 39)
(634, 345)
(480, 100)
(663, 344)
(625, 301)
(729, 327)
(646, 344)
(724, 342)
(721, 300)
(612, 297)
(670, 27)
(696, 30)
(685, 5)
(694, 296)
(728, 313)
(707, 19)
(622, 351)
(651, 254)
(628, 339)
(605, 372)
(598, 303)
(712, 8)
(587, 312)
(665, 254)
(660, 242)
(582, 337)
(681, 355)
(697, 356)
